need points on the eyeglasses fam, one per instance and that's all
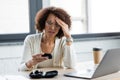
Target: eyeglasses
(49, 23)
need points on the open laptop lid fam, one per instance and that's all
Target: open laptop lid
(109, 64)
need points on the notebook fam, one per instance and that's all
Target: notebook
(110, 63)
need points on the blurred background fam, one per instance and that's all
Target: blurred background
(95, 23)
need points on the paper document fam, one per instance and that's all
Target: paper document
(13, 77)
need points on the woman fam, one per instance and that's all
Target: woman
(53, 25)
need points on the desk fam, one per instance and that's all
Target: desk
(60, 75)
(114, 76)
(61, 72)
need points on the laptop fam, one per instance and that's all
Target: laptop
(110, 63)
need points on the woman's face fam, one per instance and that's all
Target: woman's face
(51, 26)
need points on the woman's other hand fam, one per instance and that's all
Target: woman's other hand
(35, 59)
(64, 27)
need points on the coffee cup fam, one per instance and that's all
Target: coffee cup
(96, 55)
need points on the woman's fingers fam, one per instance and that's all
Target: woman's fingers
(60, 22)
(36, 56)
(39, 58)
(64, 27)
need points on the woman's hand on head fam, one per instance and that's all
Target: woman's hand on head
(64, 27)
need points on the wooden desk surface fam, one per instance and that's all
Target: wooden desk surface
(61, 72)
(60, 76)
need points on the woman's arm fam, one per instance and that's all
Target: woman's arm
(27, 54)
(69, 56)
(30, 58)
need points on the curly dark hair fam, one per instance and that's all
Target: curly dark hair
(43, 14)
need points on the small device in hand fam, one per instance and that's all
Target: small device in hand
(47, 55)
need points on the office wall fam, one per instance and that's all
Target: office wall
(81, 47)
(84, 48)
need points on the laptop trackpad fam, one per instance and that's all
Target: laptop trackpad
(88, 73)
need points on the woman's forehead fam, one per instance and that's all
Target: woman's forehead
(51, 17)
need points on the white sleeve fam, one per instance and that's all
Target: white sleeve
(23, 67)
(69, 56)
(27, 54)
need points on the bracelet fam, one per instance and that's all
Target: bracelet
(69, 40)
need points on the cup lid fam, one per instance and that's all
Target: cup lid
(96, 49)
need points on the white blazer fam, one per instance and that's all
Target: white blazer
(63, 55)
